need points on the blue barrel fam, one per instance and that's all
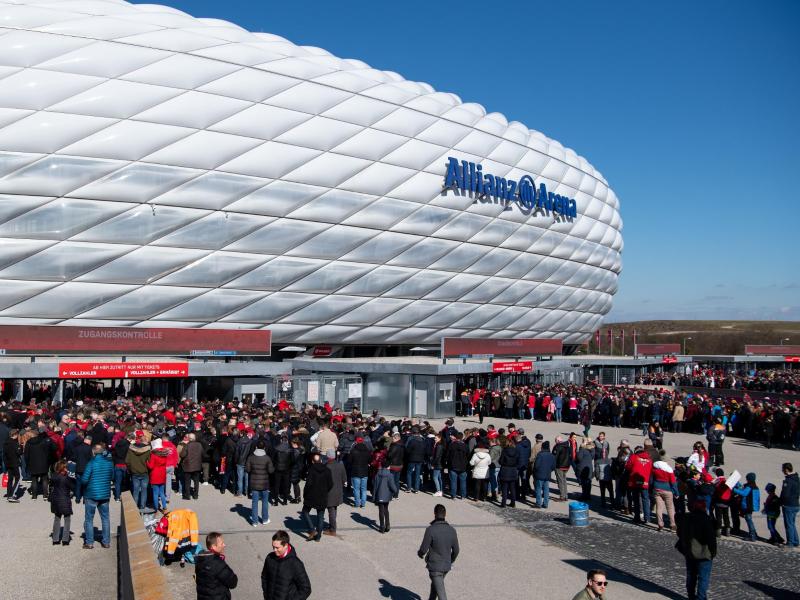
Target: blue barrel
(578, 514)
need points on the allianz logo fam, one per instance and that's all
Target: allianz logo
(469, 178)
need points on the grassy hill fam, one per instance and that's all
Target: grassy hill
(708, 337)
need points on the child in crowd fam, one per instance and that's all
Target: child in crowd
(772, 508)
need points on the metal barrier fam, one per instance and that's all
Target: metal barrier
(141, 577)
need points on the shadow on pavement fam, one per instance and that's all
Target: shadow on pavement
(242, 510)
(395, 592)
(363, 520)
(615, 575)
(773, 592)
(295, 525)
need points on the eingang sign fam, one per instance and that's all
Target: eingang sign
(469, 177)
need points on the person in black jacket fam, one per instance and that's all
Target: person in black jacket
(61, 503)
(284, 576)
(283, 470)
(440, 549)
(315, 495)
(227, 460)
(360, 457)
(11, 454)
(40, 453)
(394, 459)
(81, 453)
(259, 467)
(415, 456)
(508, 473)
(457, 465)
(213, 577)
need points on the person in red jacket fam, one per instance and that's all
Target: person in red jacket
(722, 503)
(172, 464)
(157, 465)
(639, 468)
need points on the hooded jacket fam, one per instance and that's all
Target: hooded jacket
(157, 464)
(61, 487)
(639, 467)
(285, 578)
(384, 487)
(259, 466)
(480, 462)
(137, 457)
(318, 483)
(790, 491)
(360, 457)
(40, 453)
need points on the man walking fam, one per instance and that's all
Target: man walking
(97, 481)
(192, 464)
(790, 502)
(284, 576)
(439, 548)
(697, 541)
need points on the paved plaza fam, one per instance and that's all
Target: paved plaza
(520, 552)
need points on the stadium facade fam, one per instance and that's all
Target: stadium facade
(160, 170)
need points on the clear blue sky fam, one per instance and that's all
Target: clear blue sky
(691, 110)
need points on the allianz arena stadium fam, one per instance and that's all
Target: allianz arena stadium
(162, 170)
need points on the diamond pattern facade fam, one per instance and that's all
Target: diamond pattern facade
(162, 170)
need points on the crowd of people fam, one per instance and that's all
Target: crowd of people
(319, 457)
(609, 406)
(773, 381)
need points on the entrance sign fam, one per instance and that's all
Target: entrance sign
(669, 360)
(488, 348)
(656, 349)
(122, 370)
(512, 367)
(56, 340)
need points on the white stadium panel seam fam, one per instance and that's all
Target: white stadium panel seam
(333, 87)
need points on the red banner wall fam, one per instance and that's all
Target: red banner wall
(512, 347)
(656, 349)
(83, 341)
(772, 350)
(124, 370)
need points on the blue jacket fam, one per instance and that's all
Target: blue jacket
(97, 477)
(544, 465)
(523, 453)
(750, 498)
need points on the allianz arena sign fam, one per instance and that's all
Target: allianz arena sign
(470, 178)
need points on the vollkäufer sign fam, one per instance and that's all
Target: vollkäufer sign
(519, 366)
(124, 370)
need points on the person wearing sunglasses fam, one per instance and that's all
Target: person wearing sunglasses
(596, 584)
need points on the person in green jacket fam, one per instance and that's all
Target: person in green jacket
(596, 583)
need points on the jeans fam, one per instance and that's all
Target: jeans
(14, 477)
(641, 501)
(790, 524)
(523, 487)
(558, 415)
(159, 497)
(119, 477)
(317, 528)
(492, 479)
(437, 479)
(57, 535)
(191, 484)
(78, 487)
(139, 485)
(39, 484)
(396, 475)
(751, 527)
(88, 521)
(462, 484)
(168, 483)
(437, 585)
(698, 576)
(412, 475)
(359, 490)
(542, 489)
(257, 495)
(509, 492)
(242, 480)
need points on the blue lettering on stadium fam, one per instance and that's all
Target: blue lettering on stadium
(469, 178)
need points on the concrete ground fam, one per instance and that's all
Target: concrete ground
(504, 553)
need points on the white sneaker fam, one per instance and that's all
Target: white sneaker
(205, 483)
(438, 494)
(267, 522)
(254, 524)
